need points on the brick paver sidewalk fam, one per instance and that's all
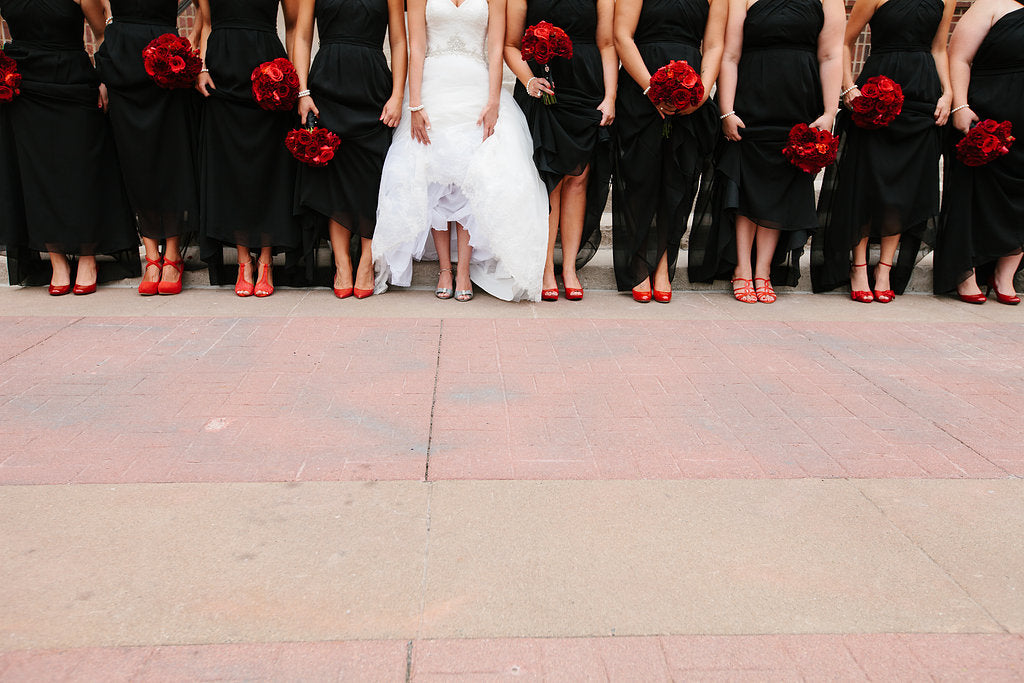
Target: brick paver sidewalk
(417, 489)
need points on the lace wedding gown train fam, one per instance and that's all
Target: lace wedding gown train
(489, 186)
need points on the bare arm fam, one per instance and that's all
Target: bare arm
(728, 75)
(392, 113)
(300, 49)
(862, 12)
(204, 84)
(515, 25)
(96, 16)
(609, 59)
(417, 53)
(713, 46)
(495, 65)
(830, 61)
(970, 31)
(197, 26)
(939, 54)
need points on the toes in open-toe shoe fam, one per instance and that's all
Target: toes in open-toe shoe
(745, 293)
(263, 287)
(765, 294)
(244, 287)
(443, 292)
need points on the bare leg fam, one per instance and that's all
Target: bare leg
(151, 273)
(364, 275)
(859, 276)
(245, 260)
(745, 231)
(340, 240)
(171, 253)
(969, 287)
(266, 258)
(462, 280)
(574, 211)
(443, 245)
(61, 270)
(889, 245)
(1006, 267)
(767, 239)
(556, 211)
(662, 283)
(86, 274)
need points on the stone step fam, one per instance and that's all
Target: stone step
(597, 275)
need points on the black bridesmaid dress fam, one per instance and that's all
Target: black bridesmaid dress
(155, 129)
(886, 181)
(57, 141)
(778, 87)
(567, 135)
(655, 177)
(983, 208)
(351, 82)
(247, 178)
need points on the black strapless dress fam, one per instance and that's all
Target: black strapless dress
(778, 87)
(656, 178)
(57, 142)
(247, 177)
(156, 130)
(567, 135)
(351, 82)
(983, 208)
(886, 181)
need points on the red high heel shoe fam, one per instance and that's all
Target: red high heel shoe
(746, 293)
(343, 293)
(886, 295)
(863, 296)
(82, 290)
(1009, 300)
(642, 297)
(169, 288)
(263, 287)
(573, 293)
(242, 286)
(766, 295)
(59, 290)
(151, 288)
(549, 294)
(362, 293)
(662, 297)
(972, 298)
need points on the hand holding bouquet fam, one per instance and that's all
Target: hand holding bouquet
(880, 102)
(986, 142)
(810, 149)
(676, 85)
(541, 43)
(312, 145)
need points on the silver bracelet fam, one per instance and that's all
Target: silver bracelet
(723, 117)
(204, 70)
(962, 106)
(416, 109)
(528, 84)
(647, 90)
(304, 93)
(109, 21)
(847, 91)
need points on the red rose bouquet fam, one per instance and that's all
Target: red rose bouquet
(541, 43)
(312, 145)
(10, 79)
(810, 149)
(986, 142)
(880, 102)
(676, 84)
(275, 85)
(171, 62)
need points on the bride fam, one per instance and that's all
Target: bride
(461, 156)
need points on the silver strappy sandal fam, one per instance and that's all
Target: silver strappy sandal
(463, 294)
(443, 292)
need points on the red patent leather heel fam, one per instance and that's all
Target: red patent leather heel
(244, 287)
(642, 297)
(662, 297)
(973, 298)
(343, 293)
(573, 293)
(170, 288)
(82, 290)
(1009, 300)
(863, 296)
(362, 293)
(151, 288)
(549, 294)
(263, 287)
(59, 290)
(886, 295)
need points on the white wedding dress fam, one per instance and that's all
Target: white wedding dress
(491, 187)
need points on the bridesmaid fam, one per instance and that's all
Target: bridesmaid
(570, 138)
(981, 230)
(656, 176)
(781, 67)
(56, 133)
(247, 183)
(885, 186)
(354, 94)
(152, 124)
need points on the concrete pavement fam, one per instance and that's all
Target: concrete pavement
(204, 488)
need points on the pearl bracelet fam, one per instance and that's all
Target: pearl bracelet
(723, 117)
(528, 84)
(109, 21)
(304, 93)
(956, 109)
(847, 91)
(204, 70)
(416, 109)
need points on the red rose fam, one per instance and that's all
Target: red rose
(6, 93)
(542, 53)
(861, 105)
(869, 90)
(886, 85)
(988, 126)
(176, 64)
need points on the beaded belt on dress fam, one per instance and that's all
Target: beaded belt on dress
(357, 41)
(456, 46)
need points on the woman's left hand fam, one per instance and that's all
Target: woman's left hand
(392, 112)
(103, 101)
(824, 122)
(607, 109)
(942, 109)
(488, 119)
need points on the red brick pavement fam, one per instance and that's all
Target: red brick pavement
(112, 400)
(903, 657)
